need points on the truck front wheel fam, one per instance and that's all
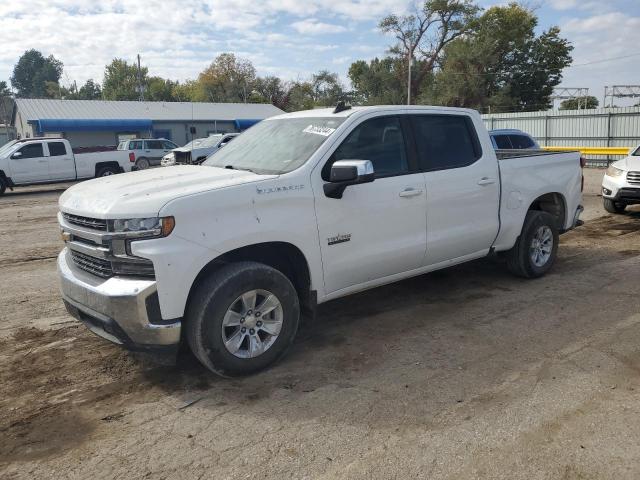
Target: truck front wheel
(3, 185)
(536, 249)
(613, 207)
(242, 318)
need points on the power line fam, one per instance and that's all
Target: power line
(605, 60)
(535, 70)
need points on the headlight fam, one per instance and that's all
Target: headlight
(144, 227)
(614, 172)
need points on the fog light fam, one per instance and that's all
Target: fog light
(606, 191)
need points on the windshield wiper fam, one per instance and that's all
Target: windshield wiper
(231, 167)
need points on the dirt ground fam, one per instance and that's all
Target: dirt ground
(461, 374)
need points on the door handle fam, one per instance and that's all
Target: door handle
(486, 181)
(410, 192)
(42, 161)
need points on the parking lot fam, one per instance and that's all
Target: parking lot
(463, 373)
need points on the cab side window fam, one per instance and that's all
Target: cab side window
(521, 141)
(503, 142)
(33, 150)
(380, 140)
(445, 141)
(57, 149)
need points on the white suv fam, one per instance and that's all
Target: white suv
(621, 183)
(144, 153)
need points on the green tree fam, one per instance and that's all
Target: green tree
(160, 90)
(188, 91)
(379, 82)
(271, 90)
(121, 80)
(227, 79)
(582, 102)
(4, 89)
(6, 103)
(424, 34)
(33, 72)
(301, 96)
(327, 89)
(90, 91)
(502, 65)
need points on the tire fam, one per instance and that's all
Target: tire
(612, 206)
(217, 301)
(142, 164)
(536, 249)
(107, 171)
(3, 185)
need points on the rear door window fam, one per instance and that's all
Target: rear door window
(521, 141)
(33, 150)
(503, 142)
(57, 149)
(445, 141)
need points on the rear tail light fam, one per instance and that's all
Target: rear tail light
(132, 157)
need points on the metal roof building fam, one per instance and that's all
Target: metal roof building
(88, 123)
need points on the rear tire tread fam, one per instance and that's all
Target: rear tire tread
(518, 258)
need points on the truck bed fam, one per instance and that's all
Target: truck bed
(508, 154)
(535, 173)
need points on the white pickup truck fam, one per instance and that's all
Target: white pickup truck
(301, 209)
(44, 160)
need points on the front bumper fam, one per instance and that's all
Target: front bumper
(122, 310)
(620, 190)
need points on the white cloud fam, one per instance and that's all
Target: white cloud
(176, 38)
(311, 26)
(596, 39)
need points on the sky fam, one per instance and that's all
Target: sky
(291, 39)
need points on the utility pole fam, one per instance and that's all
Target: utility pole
(140, 87)
(410, 57)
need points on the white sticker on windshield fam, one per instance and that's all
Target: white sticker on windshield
(324, 131)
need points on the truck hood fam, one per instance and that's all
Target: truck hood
(144, 193)
(629, 163)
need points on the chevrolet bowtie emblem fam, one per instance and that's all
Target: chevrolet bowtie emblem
(66, 236)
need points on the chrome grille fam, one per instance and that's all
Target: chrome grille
(633, 178)
(93, 223)
(183, 157)
(101, 268)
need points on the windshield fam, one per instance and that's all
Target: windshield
(636, 153)
(7, 146)
(275, 146)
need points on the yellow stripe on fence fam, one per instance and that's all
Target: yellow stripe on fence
(593, 150)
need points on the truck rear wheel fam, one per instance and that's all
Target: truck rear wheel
(612, 206)
(107, 171)
(536, 249)
(242, 318)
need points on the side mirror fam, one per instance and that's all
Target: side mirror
(16, 155)
(348, 172)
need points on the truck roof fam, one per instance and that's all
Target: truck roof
(24, 140)
(329, 112)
